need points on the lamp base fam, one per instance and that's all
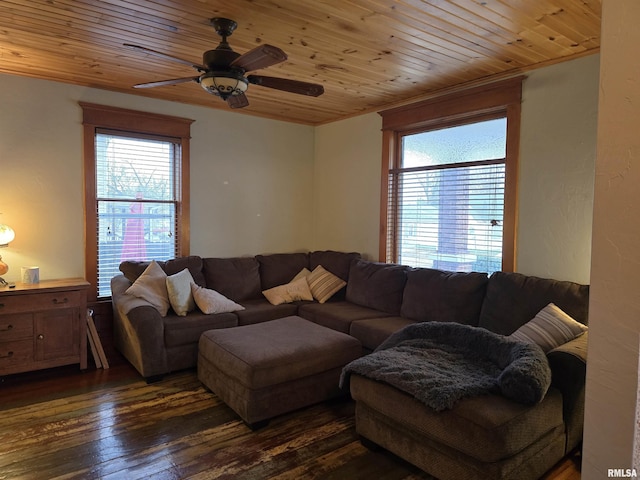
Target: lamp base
(3, 282)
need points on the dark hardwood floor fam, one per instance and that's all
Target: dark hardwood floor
(109, 424)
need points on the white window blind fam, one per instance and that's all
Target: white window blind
(137, 201)
(446, 199)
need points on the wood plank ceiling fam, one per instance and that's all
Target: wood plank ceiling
(368, 54)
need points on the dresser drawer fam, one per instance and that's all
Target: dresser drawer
(41, 301)
(17, 352)
(16, 327)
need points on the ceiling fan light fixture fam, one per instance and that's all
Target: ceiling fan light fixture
(224, 84)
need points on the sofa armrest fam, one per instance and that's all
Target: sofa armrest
(568, 364)
(138, 330)
(119, 285)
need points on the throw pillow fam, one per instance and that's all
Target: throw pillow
(304, 273)
(151, 286)
(289, 292)
(549, 329)
(210, 301)
(179, 290)
(324, 284)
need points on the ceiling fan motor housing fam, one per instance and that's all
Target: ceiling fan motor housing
(219, 58)
(220, 79)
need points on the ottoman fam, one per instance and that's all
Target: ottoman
(266, 369)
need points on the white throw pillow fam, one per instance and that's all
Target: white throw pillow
(304, 273)
(324, 284)
(152, 287)
(210, 301)
(289, 292)
(179, 291)
(549, 329)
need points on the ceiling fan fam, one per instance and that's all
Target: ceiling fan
(223, 71)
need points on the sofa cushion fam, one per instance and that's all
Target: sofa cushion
(237, 278)
(133, 269)
(293, 291)
(187, 330)
(193, 263)
(337, 315)
(436, 295)
(549, 329)
(210, 301)
(338, 263)
(151, 286)
(179, 291)
(280, 268)
(260, 310)
(377, 285)
(512, 299)
(373, 331)
(488, 428)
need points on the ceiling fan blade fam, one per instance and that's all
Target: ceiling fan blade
(238, 101)
(287, 85)
(262, 56)
(197, 66)
(172, 81)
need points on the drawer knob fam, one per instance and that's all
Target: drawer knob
(8, 355)
(6, 328)
(41, 337)
(60, 302)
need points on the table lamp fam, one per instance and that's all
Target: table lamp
(6, 235)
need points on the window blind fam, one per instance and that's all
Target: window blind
(446, 197)
(137, 201)
(448, 217)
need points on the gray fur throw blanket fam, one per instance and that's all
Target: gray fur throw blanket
(438, 363)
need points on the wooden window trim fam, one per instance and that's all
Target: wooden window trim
(96, 117)
(500, 98)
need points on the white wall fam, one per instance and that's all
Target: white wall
(251, 178)
(557, 161)
(614, 310)
(347, 185)
(557, 165)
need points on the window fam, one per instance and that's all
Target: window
(449, 177)
(137, 208)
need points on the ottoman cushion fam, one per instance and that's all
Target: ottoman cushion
(277, 351)
(267, 369)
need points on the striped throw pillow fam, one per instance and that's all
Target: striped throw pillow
(324, 284)
(549, 329)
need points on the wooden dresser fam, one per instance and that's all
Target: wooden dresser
(43, 325)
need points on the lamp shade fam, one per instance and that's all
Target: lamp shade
(6, 235)
(224, 84)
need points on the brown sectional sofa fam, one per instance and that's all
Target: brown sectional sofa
(155, 345)
(481, 437)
